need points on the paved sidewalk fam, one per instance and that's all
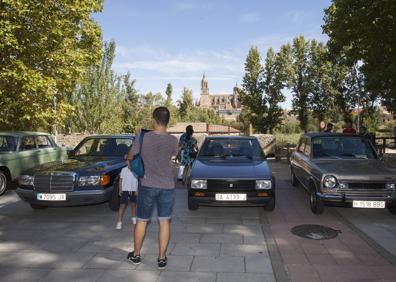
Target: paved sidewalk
(345, 258)
(81, 244)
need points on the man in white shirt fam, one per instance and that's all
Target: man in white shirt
(127, 189)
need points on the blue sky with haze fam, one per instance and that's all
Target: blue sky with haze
(177, 41)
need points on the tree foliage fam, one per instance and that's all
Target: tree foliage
(44, 48)
(364, 32)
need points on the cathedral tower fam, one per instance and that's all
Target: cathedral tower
(204, 101)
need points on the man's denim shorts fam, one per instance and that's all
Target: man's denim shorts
(149, 197)
(127, 196)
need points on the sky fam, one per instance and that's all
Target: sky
(176, 41)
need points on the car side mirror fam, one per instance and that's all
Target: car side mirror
(69, 153)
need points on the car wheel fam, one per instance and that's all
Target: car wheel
(3, 183)
(317, 205)
(270, 206)
(392, 209)
(114, 202)
(192, 205)
(37, 207)
(294, 180)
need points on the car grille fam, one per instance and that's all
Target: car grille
(54, 183)
(366, 185)
(231, 185)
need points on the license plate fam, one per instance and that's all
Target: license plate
(369, 204)
(51, 197)
(230, 197)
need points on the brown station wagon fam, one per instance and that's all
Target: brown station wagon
(342, 169)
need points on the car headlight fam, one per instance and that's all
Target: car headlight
(390, 186)
(93, 180)
(330, 182)
(26, 180)
(198, 184)
(263, 184)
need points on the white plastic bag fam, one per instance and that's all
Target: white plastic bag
(180, 172)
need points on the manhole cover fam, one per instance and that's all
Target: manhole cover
(315, 232)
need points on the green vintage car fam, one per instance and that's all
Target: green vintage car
(20, 151)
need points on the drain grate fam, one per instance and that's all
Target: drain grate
(315, 232)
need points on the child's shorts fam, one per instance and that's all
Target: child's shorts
(128, 196)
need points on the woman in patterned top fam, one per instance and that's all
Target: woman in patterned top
(189, 148)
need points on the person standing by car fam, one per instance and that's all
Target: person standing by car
(364, 132)
(329, 127)
(157, 185)
(189, 149)
(128, 186)
(348, 128)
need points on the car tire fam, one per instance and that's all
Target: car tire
(317, 206)
(3, 182)
(192, 205)
(37, 207)
(270, 206)
(294, 180)
(114, 201)
(392, 209)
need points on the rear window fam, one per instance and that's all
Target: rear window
(8, 143)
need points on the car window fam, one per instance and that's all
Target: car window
(8, 143)
(342, 147)
(301, 146)
(103, 147)
(27, 143)
(307, 148)
(231, 147)
(43, 141)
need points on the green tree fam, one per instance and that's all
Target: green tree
(299, 80)
(97, 94)
(252, 95)
(168, 92)
(130, 105)
(44, 48)
(364, 32)
(275, 75)
(322, 94)
(186, 103)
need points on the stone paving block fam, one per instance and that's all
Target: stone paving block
(77, 275)
(251, 277)
(63, 245)
(129, 275)
(201, 249)
(175, 263)
(258, 263)
(222, 220)
(236, 250)
(250, 221)
(245, 230)
(221, 238)
(218, 264)
(254, 239)
(169, 276)
(185, 237)
(17, 274)
(204, 228)
(188, 220)
(19, 246)
(109, 261)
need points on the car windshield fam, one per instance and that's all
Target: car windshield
(105, 147)
(231, 148)
(342, 147)
(8, 143)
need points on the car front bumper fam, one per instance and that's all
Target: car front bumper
(252, 198)
(348, 198)
(75, 198)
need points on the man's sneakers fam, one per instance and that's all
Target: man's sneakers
(135, 259)
(119, 225)
(162, 262)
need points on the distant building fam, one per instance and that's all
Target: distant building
(227, 105)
